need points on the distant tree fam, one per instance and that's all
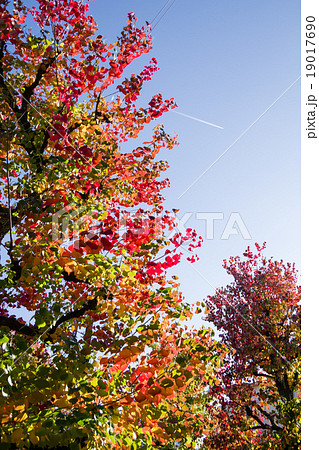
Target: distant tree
(256, 400)
(93, 350)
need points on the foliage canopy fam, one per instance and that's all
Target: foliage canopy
(98, 356)
(256, 396)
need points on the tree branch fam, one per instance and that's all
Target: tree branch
(283, 387)
(249, 413)
(5, 221)
(21, 114)
(6, 91)
(29, 90)
(30, 330)
(15, 325)
(89, 306)
(270, 418)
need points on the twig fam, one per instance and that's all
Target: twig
(9, 202)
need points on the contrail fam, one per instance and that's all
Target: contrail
(198, 120)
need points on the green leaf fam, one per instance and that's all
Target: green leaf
(4, 339)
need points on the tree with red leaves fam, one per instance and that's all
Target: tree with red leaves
(256, 399)
(94, 353)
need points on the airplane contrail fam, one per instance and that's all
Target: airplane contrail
(198, 120)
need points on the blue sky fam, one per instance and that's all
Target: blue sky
(226, 63)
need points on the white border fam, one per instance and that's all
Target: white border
(310, 247)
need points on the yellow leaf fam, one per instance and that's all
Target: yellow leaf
(21, 417)
(79, 271)
(70, 266)
(19, 407)
(120, 312)
(157, 431)
(62, 403)
(5, 418)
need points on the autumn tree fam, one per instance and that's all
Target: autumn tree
(93, 352)
(256, 398)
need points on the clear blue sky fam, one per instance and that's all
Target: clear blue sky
(226, 63)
